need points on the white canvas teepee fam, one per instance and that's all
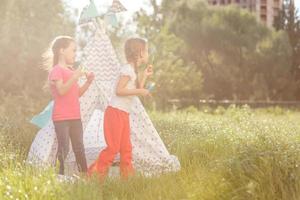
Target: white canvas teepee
(150, 156)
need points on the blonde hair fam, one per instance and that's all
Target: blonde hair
(133, 49)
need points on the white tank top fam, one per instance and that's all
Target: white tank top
(124, 102)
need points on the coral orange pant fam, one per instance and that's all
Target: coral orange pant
(117, 137)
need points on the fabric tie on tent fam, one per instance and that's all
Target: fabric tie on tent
(117, 7)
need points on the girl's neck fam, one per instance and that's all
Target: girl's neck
(62, 63)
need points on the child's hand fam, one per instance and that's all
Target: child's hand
(90, 77)
(144, 92)
(78, 73)
(148, 71)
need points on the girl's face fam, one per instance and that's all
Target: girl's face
(69, 53)
(145, 55)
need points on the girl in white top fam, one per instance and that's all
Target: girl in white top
(116, 116)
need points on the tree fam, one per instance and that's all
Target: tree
(27, 28)
(227, 44)
(289, 21)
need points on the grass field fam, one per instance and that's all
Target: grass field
(235, 154)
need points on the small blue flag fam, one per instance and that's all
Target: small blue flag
(43, 118)
(88, 13)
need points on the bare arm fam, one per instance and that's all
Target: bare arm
(62, 87)
(148, 72)
(84, 88)
(123, 91)
(90, 77)
(142, 81)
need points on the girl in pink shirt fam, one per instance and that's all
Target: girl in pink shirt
(66, 92)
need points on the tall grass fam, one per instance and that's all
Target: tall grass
(225, 154)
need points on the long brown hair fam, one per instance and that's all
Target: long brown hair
(133, 49)
(51, 56)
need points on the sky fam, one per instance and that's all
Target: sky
(297, 2)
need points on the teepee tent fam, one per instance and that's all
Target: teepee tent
(150, 156)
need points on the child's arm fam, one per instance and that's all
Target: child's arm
(148, 72)
(123, 91)
(62, 87)
(90, 77)
(142, 82)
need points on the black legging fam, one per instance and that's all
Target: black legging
(70, 129)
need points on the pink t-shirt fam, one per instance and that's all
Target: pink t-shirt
(66, 107)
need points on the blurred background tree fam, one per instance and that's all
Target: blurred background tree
(288, 20)
(27, 28)
(239, 57)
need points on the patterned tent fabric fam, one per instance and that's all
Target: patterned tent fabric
(150, 156)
